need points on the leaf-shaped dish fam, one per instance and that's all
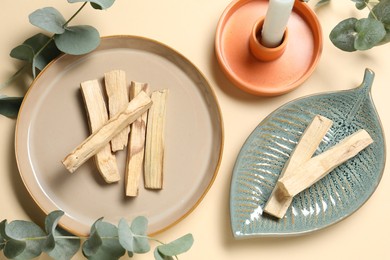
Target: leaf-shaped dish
(330, 200)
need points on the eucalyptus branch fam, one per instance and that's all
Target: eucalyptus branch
(19, 238)
(75, 14)
(40, 49)
(354, 34)
(370, 9)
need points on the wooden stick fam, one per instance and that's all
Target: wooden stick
(154, 147)
(278, 203)
(97, 116)
(96, 141)
(118, 99)
(317, 167)
(136, 146)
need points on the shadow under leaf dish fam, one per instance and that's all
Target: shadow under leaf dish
(333, 198)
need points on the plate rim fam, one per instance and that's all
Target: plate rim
(182, 57)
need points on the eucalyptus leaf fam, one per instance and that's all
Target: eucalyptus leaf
(360, 4)
(51, 221)
(29, 233)
(343, 35)
(92, 244)
(77, 40)
(2, 229)
(110, 247)
(39, 50)
(59, 248)
(125, 236)
(382, 12)
(370, 33)
(45, 56)
(139, 228)
(14, 248)
(65, 248)
(97, 4)
(385, 39)
(159, 256)
(23, 52)
(49, 19)
(322, 2)
(139, 225)
(178, 246)
(9, 106)
(2, 234)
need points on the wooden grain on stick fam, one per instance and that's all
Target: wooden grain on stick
(96, 141)
(97, 115)
(154, 147)
(136, 146)
(118, 98)
(278, 203)
(317, 167)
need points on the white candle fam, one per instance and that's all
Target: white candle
(275, 22)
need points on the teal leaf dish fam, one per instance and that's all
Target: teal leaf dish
(333, 198)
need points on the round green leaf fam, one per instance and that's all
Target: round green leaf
(37, 42)
(93, 243)
(14, 248)
(382, 12)
(9, 106)
(125, 235)
(139, 225)
(49, 19)
(178, 246)
(322, 2)
(52, 219)
(25, 231)
(97, 4)
(360, 4)
(23, 52)
(141, 245)
(2, 234)
(77, 40)
(343, 35)
(51, 222)
(158, 256)
(64, 248)
(139, 228)
(370, 33)
(110, 248)
(385, 39)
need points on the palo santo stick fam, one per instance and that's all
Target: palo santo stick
(118, 99)
(317, 167)
(136, 146)
(278, 203)
(96, 141)
(154, 147)
(97, 116)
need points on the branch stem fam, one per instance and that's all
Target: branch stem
(74, 15)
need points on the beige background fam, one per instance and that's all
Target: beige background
(189, 27)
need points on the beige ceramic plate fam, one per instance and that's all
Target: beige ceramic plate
(52, 121)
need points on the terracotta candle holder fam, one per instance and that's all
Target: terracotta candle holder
(257, 69)
(262, 52)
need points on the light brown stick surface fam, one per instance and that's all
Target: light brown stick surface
(118, 99)
(317, 167)
(97, 116)
(278, 203)
(136, 146)
(96, 141)
(154, 148)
